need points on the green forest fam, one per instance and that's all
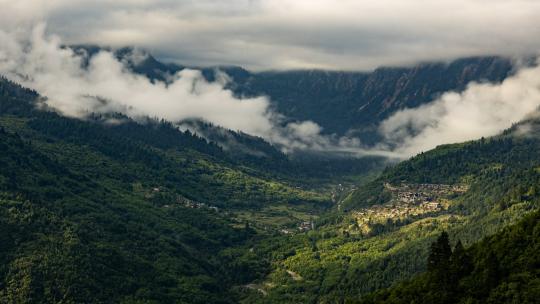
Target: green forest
(113, 210)
(502, 268)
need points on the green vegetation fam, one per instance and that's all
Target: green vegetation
(503, 268)
(109, 210)
(96, 211)
(67, 237)
(374, 244)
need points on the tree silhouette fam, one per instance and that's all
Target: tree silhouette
(439, 270)
(460, 263)
(440, 253)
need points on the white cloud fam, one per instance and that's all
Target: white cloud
(281, 34)
(481, 110)
(106, 85)
(274, 34)
(56, 73)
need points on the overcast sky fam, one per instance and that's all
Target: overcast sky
(287, 34)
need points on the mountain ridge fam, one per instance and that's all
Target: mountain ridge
(145, 212)
(342, 103)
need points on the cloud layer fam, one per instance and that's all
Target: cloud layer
(283, 34)
(273, 34)
(38, 61)
(105, 85)
(481, 110)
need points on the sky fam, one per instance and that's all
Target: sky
(291, 34)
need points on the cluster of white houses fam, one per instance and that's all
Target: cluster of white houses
(409, 200)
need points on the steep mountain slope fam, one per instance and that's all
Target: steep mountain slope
(71, 238)
(68, 238)
(503, 268)
(471, 190)
(350, 103)
(110, 210)
(188, 161)
(347, 101)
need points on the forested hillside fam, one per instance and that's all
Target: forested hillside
(110, 210)
(502, 268)
(73, 237)
(380, 234)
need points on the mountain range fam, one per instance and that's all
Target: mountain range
(342, 103)
(109, 209)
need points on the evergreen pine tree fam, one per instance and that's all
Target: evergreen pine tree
(439, 271)
(460, 263)
(439, 256)
(492, 271)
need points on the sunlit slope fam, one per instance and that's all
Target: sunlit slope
(381, 233)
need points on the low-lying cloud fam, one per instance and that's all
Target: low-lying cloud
(104, 84)
(75, 87)
(483, 109)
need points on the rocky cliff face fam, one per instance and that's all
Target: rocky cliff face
(355, 102)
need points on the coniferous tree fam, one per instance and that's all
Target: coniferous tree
(440, 253)
(492, 272)
(438, 269)
(460, 263)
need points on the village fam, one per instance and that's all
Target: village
(302, 227)
(409, 200)
(183, 201)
